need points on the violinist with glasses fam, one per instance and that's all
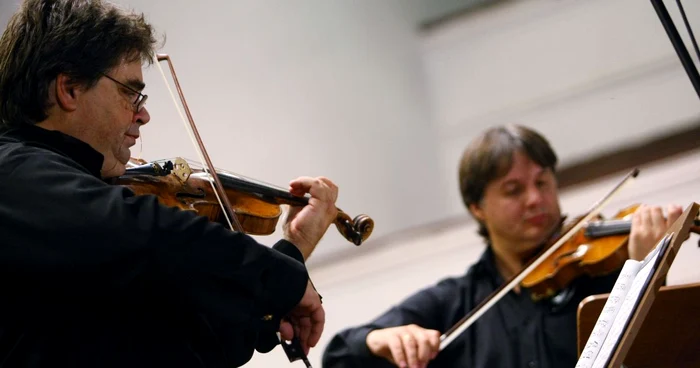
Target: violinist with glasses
(92, 275)
(508, 184)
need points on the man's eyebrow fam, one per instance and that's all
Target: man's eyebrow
(136, 84)
(541, 171)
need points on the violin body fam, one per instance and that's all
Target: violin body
(256, 206)
(256, 216)
(592, 253)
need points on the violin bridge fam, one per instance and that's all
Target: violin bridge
(181, 169)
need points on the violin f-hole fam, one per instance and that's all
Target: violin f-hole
(577, 253)
(196, 194)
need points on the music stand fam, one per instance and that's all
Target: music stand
(680, 231)
(677, 42)
(669, 335)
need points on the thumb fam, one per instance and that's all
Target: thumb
(286, 330)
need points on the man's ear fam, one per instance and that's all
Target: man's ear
(67, 92)
(476, 211)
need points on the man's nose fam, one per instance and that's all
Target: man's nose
(534, 195)
(142, 117)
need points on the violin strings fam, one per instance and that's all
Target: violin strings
(195, 164)
(191, 134)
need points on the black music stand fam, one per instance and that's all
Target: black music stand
(677, 42)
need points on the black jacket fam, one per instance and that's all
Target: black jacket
(515, 332)
(93, 276)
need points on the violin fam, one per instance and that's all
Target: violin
(597, 249)
(256, 205)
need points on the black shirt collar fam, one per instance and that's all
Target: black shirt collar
(487, 264)
(61, 143)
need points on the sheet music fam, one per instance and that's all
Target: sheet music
(629, 304)
(607, 316)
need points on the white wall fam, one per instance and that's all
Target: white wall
(591, 75)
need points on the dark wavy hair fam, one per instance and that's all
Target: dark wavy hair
(79, 38)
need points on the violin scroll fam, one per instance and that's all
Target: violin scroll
(356, 230)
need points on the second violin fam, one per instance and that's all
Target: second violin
(598, 248)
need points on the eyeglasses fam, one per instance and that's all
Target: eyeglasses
(140, 100)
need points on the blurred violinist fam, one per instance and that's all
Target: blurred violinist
(508, 184)
(92, 275)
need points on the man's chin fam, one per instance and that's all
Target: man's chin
(544, 230)
(537, 238)
(118, 169)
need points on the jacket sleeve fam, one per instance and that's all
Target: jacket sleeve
(431, 308)
(70, 234)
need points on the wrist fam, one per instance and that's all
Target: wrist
(369, 341)
(305, 247)
(634, 252)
